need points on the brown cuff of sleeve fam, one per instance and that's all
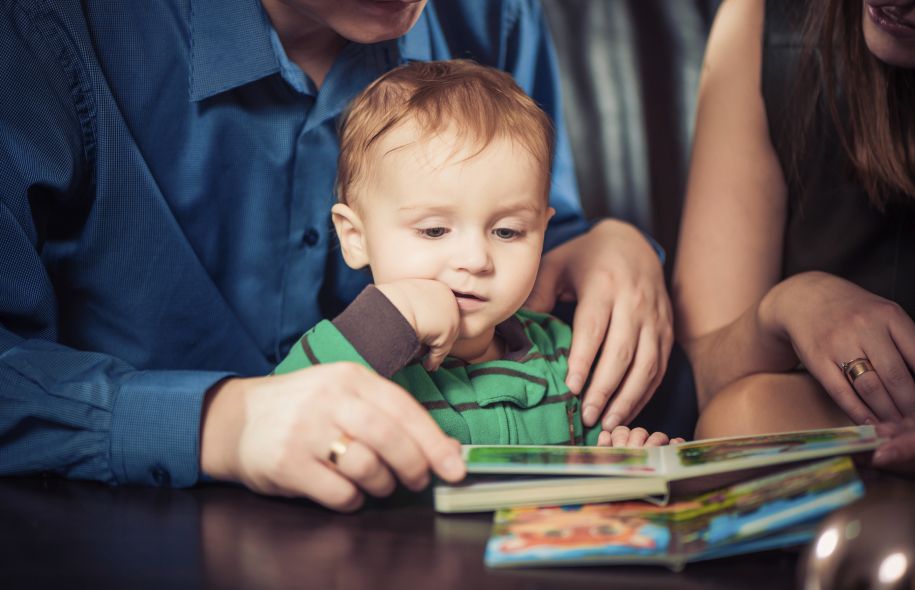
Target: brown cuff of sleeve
(379, 332)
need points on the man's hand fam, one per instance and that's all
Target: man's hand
(617, 279)
(274, 434)
(430, 307)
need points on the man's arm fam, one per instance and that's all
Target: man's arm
(83, 415)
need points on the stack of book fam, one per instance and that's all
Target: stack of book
(701, 500)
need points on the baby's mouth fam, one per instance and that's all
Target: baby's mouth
(468, 296)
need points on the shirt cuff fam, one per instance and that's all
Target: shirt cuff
(557, 235)
(379, 332)
(155, 427)
(560, 235)
(662, 255)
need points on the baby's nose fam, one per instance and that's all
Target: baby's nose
(472, 255)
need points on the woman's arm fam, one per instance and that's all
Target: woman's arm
(738, 323)
(730, 247)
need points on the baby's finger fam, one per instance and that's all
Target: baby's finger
(637, 437)
(603, 439)
(657, 439)
(619, 436)
(677, 441)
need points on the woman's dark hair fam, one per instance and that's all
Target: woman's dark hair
(871, 104)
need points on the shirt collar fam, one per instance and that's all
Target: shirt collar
(233, 43)
(290, 72)
(230, 46)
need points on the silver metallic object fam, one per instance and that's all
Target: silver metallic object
(867, 544)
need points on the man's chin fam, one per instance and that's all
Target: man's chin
(384, 26)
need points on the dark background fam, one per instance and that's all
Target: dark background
(630, 73)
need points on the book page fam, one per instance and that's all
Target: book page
(722, 455)
(481, 492)
(562, 460)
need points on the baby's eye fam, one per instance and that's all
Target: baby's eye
(433, 232)
(505, 233)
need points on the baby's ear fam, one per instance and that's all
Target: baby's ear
(352, 237)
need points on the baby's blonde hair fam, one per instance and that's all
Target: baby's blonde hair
(479, 103)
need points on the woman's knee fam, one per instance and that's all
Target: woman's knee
(734, 410)
(772, 402)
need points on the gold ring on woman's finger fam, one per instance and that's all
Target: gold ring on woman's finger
(855, 368)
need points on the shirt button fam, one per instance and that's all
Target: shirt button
(311, 237)
(161, 476)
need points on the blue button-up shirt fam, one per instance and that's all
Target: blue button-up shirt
(166, 177)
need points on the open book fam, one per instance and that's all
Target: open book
(502, 476)
(764, 513)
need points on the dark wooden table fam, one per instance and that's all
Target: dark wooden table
(60, 534)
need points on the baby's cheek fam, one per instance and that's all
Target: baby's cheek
(398, 265)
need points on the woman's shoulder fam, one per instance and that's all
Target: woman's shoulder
(732, 63)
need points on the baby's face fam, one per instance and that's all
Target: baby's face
(476, 225)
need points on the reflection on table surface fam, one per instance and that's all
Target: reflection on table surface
(55, 533)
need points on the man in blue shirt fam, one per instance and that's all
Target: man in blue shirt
(166, 177)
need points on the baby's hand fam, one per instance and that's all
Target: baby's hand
(622, 436)
(430, 307)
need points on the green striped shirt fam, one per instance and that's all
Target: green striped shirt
(518, 399)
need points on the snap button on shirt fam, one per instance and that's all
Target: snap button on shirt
(311, 237)
(161, 476)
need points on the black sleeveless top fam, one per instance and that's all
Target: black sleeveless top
(832, 227)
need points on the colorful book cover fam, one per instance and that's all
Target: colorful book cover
(764, 513)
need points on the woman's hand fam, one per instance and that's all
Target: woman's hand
(899, 452)
(623, 436)
(830, 321)
(276, 434)
(616, 277)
